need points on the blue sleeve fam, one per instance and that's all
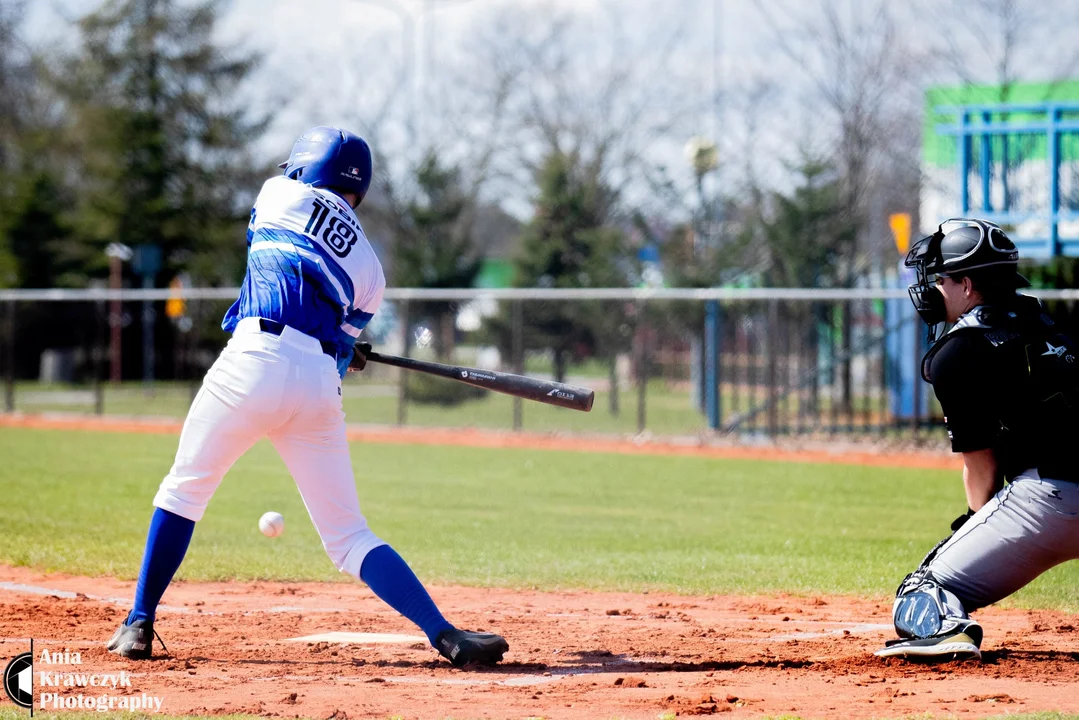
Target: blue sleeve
(343, 360)
(346, 346)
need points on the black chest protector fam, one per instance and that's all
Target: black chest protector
(1035, 385)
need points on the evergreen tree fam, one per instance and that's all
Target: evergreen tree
(160, 136)
(810, 232)
(39, 237)
(14, 89)
(569, 245)
(434, 247)
(810, 240)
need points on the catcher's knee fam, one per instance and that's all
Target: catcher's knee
(923, 608)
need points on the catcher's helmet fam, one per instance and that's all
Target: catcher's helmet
(331, 158)
(961, 246)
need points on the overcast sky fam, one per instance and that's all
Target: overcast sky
(308, 33)
(310, 44)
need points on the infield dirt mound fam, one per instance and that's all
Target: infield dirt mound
(572, 654)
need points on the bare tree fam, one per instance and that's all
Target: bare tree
(1001, 42)
(855, 60)
(593, 87)
(15, 79)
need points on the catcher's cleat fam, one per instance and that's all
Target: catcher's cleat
(134, 641)
(462, 647)
(963, 642)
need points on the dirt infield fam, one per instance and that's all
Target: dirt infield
(831, 451)
(233, 648)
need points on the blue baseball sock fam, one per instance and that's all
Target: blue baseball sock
(390, 577)
(166, 545)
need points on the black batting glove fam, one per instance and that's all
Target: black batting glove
(359, 357)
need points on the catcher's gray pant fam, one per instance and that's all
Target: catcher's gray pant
(1031, 525)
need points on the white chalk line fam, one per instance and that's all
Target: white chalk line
(356, 638)
(852, 630)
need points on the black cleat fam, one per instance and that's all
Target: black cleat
(133, 641)
(462, 647)
(963, 642)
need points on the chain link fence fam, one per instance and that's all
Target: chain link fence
(764, 363)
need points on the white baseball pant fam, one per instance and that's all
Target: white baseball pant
(285, 388)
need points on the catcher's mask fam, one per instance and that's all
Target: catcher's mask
(960, 246)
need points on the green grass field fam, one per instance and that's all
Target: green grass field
(668, 406)
(668, 409)
(80, 503)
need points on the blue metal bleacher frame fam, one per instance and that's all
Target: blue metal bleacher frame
(1053, 120)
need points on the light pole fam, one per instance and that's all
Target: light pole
(704, 157)
(118, 254)
(408, 55)
(408, 60)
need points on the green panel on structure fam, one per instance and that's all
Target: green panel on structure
(941, 151)
(495, 274)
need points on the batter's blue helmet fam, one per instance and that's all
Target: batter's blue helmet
(331, 158)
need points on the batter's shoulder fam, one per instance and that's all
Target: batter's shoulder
(281, 189)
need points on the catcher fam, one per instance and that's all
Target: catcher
(1007, 379)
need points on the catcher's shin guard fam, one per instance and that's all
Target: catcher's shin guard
(931, 621)
(462, 647)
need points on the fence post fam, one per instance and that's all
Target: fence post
(148, 355)
(883, 411)
(712, 389)
(642, 369)
(773, 360)
(116, 322)
(916, 407)
(402, 382)
(100, 341)
(518, 359)
(9, 360)
(195, 370)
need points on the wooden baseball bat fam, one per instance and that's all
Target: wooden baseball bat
(544, 391)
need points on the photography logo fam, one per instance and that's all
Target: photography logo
(19, 680)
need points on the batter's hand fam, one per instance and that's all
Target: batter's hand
(359, 357)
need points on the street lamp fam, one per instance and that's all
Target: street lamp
(704, 157)
(408, 44)
(408, 52)
(117, 253)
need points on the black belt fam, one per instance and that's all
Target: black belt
(275, 328)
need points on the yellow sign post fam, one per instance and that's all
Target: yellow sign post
(175, 306)
(900, 223)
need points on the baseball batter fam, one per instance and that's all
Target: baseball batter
(312, 284)
(1008, 381)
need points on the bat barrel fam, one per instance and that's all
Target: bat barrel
(544, 391)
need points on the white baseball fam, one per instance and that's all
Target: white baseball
(272, 524)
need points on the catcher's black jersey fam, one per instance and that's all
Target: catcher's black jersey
(1008, 379)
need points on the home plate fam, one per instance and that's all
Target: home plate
(361, 638)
